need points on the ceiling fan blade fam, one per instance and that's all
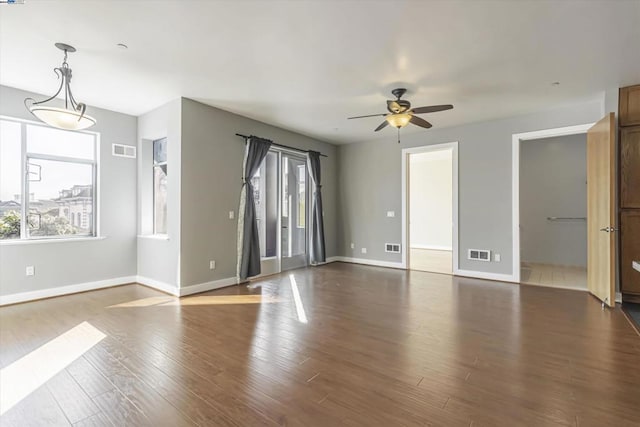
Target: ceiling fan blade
(370, 115)
(432, 109)
(382, 126)
(420, 122)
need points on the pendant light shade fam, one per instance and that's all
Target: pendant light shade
(399, 120)
(72, 116)
(63, 118)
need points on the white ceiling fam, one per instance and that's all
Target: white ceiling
(307, 65)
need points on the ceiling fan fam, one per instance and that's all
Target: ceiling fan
(401, 114)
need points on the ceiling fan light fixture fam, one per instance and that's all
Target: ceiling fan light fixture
(399, 120)
(72, 116)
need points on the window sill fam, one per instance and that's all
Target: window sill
(154, 236)
(18, 242)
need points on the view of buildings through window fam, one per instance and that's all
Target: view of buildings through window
(160, 186)
(57, 196)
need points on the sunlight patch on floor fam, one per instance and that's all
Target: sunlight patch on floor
(198, 300)
(144, 302)
(302, 316)
(27, 374)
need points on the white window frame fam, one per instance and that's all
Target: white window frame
(24, 193)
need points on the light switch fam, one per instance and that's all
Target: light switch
(232, 214)
(391, 214)
(496, 257)
(31, 271)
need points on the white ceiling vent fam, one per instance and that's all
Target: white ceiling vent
(121, 150)
(479, 255)
(392, 247)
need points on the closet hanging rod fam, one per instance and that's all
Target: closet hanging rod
(282, 146)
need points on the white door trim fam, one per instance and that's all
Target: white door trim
(515, 180)
(453, 146)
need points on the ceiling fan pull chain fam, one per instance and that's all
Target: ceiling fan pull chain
(398, 135)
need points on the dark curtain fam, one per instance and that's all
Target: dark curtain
(317, 222)
(248, 242)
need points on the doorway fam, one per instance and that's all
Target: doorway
(430, 190)
(293, 236)
(601, 218)
(553, 211)
(281, 198)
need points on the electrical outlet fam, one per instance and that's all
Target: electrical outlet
(232, 214)
(496, 257)
(31, 270)
(363, 250)
(353, 246)
(212, 265)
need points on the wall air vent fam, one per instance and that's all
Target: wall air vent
(392, 247)
(479, 255)
(121, 150)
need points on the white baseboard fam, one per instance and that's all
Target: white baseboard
(158, 285)
(364, 261)
(619, 297)
(328, 260)
(187, 290)
(208, 286)
(465, 273)
(483, 275)
(65, 290)
(431, 247)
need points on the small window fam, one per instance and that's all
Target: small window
(160, 186)
(57, 198)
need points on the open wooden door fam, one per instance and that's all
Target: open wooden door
(601, 217)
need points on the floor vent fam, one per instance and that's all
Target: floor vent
(479, 255)
(121, 150)
(392, 247)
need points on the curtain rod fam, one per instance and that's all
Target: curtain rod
(281, 145)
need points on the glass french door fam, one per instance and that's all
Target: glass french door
(280, 195)
(293, 222)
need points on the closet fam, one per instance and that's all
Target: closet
(629, 196)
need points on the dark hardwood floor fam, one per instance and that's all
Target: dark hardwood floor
(379, 347)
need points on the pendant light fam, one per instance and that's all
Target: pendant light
(72, 116)
(398, 120)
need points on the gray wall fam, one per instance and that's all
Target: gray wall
(211, 178)
(370, 184)
(553, 182)
(68, 263)
(159, 259)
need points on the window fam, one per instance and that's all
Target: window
(302, 198)
(57, 196)
(160, 186)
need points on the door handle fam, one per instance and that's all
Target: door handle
(285, 226)
(609, 229)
